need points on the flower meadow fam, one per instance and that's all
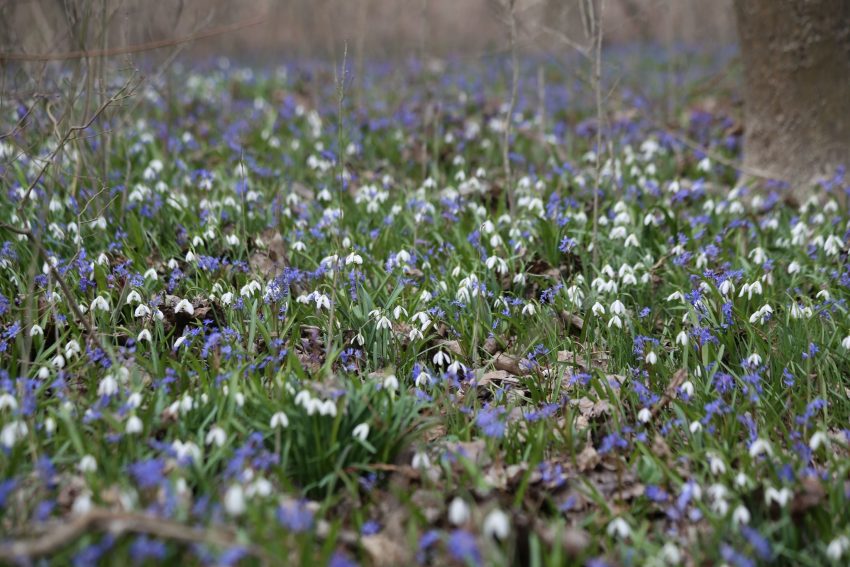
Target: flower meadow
(309, 320)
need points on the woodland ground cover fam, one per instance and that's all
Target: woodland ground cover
(303, 321)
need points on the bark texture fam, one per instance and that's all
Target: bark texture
(796, 56)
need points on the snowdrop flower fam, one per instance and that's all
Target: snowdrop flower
(817, 439)
(184, 305)
(420, 460)
(361, 432)
(615, 321)
(617, 308)
(754, 360)
(190, 256)
(12, 432)
(36, 331)
(108, 386)
(216, 436)
(142, 311)
(299, 246)
(598, 309)
(415, 334)
(644, 415)
(837, 547)
(716, 464)
(58, 361)
(186, 450)
(619, 528)
(234, 500)
(528, 309)
(384, 323)
(459, 512)
(7, 401)
(682, 338)
(651, 357)
(99, 303)
(322, 301)
(151, 275)
(441, 358)
(390, 383)
(133, 297)
(671, 554)
(794, 267)
(496, 524)
(676, 296)
(134, 425)
(845, 342)
(87, 464)
(144, 335)
(741, 515)
(179, 341)
(328, 407)
(279, 419)
(780, 497)
(695, 427)
(760, 447)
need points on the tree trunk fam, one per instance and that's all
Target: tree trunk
(796, 56)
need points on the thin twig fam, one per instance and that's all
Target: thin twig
(506, 145)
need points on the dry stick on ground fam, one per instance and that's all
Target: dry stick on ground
(118, 523)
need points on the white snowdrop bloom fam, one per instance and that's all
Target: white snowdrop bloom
(190, 257)
(302, 398)
(187, 402)
(361, 431)
(151, 275)
(780, 497)
(144, 335)
(496, 525)
(617, 308)
(82, 504)
(688, 387)
(598, 309)
(322, 301)
(134, 400)
(644, 415)
(441, 358)
(184, 305)
(762, 314)
(231, 240)
(134, 425)
(833, 245)
(632, 241)
(695, 427)
(682, 338)
(390, 383)
(760, 447)
(384, 323)
(740, 515)
(354, 258)
(7, 401)
(651, 357)
(279, 420)
(36, 331)
(497, 264)
(618, 528)
(58, 361)
(328, 407)
(234, 500)
(87, 464)
(575, 295)
(142, 310)
(50, 426)
(99, 303)
(459, 512)
(758, 255)
(43, 373)
(615, 321)
(108, 386)
(671, 554)
(754, 359)
(817, 439)
(420, 460)
(179, 341)
(676, 296)
(260, 487)
(158, 315)
(173, 264)
(186, 450)
(742, 480)
(704, 165)
(216, 436)
(133, 297)
(716, 464)
(102, 260)
(794, 267)
(528, 309)
(398, 311)
(72, 348)
(837, 548)
(726, 287)
(414, 334)
(226, 298)
(12, 432)
(299, 246)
